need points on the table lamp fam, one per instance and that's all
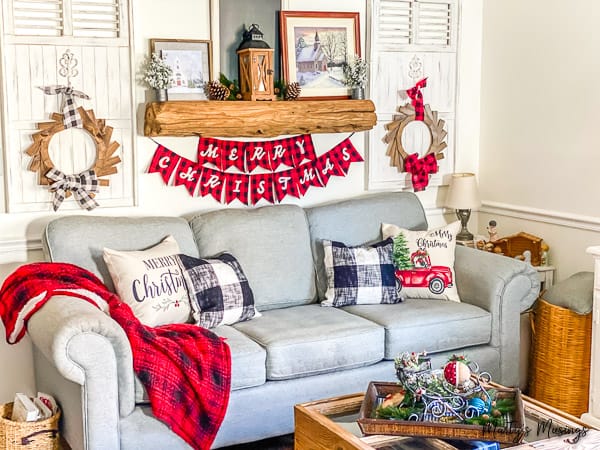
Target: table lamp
(463, 196)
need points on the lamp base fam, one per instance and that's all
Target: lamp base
(464, 234)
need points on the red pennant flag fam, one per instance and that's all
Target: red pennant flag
(286, 183)
(281, 152)
(211, 150)
(345, 154)
(261, 186)
(257, 155)
(307, 177)
(164, 162)
(211, 182)
(188, 173)
(326, 168)
(236, 186)
(233, 155)
(303, 148)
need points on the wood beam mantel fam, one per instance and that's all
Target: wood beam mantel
(254, 118)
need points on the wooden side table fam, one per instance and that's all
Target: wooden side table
(546, 274)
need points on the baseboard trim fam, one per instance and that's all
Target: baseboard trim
(559, 218)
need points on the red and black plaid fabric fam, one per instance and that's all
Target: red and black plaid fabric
(420, 168)
(416, 96)
(344, 154)
(302, 149)
(257, 155)
(211, 182)
(233, 156)
(325, 168)
(188, 174)
(236, 186)
(306, 175)
(281, 151)
(164, 162)
(261, 186)
(286, 183)
(211, 150)
(185, 369)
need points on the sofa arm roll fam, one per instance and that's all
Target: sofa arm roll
(505, 287)
(483, 279)
(84, 343)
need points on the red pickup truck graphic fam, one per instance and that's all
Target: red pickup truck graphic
(436, 278)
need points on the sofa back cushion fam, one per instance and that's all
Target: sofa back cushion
(80, 240)
(358, 221)
(272, 244)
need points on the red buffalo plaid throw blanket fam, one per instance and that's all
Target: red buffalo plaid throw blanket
(185, 369)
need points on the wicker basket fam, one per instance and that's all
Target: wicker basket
(559, 373)
(40, 435)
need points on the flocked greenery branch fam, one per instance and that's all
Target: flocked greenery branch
(355, 72)
(157, 73)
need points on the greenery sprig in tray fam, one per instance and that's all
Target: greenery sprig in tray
(456, 399)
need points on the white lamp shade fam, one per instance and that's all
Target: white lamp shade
(463, 192)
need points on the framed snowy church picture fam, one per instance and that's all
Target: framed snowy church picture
(191, 61)
(315, 46)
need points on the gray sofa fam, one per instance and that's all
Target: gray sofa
(297, 351)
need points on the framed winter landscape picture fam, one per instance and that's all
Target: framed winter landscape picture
(315, 46)
(191, 61)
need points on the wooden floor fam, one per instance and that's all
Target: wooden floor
(278, 443)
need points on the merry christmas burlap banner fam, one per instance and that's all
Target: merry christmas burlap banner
(232, 162)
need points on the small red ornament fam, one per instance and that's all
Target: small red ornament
(457, 373)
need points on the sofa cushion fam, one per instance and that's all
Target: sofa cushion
(358, 221)
(271, 243)
(219, 291)
(431, 325)
(309, 340)
(247, 362)
(425, 260)
(80, 240)
(360, 275)
(151, 283)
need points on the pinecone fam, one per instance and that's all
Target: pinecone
(217, 91)
(292, 91)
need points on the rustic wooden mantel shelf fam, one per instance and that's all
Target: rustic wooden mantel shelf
(251, 119)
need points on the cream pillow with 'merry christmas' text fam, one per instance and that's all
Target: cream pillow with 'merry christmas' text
(151, 282)
(424, 261)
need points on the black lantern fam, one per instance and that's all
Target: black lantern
(256, 66)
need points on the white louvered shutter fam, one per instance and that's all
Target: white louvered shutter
(64, 18)
(410, 40)
(95, 18)
(37, 17)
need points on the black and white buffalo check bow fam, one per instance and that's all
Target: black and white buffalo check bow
(71, 117)
(81, 185)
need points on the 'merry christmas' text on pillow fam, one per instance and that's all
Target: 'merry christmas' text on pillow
(151, 282)
(424, 261)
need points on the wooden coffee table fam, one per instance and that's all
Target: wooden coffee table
(330, 424)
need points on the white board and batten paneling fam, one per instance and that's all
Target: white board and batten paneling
(36, 33)
(411, 40)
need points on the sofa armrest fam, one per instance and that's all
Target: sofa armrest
(87, 347)
(505, 287)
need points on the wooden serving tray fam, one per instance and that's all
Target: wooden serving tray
(511, 435)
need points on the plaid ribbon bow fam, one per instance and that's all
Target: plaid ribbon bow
(71, 117)
(81, 185)
(420, 168)
(416, 96)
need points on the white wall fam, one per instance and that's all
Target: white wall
(20, 233)
(539, 154)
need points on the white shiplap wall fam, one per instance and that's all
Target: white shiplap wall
(104, 73)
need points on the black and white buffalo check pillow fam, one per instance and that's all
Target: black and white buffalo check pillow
(218, 289)
(361, 275)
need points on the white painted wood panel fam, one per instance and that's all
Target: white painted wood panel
(427, 50)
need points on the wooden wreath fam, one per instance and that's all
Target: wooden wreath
(406, 115)
(104, 163)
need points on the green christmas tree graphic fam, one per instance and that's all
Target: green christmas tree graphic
(401, 253)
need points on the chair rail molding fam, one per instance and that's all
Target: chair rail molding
(16, 250)
(560, 218)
